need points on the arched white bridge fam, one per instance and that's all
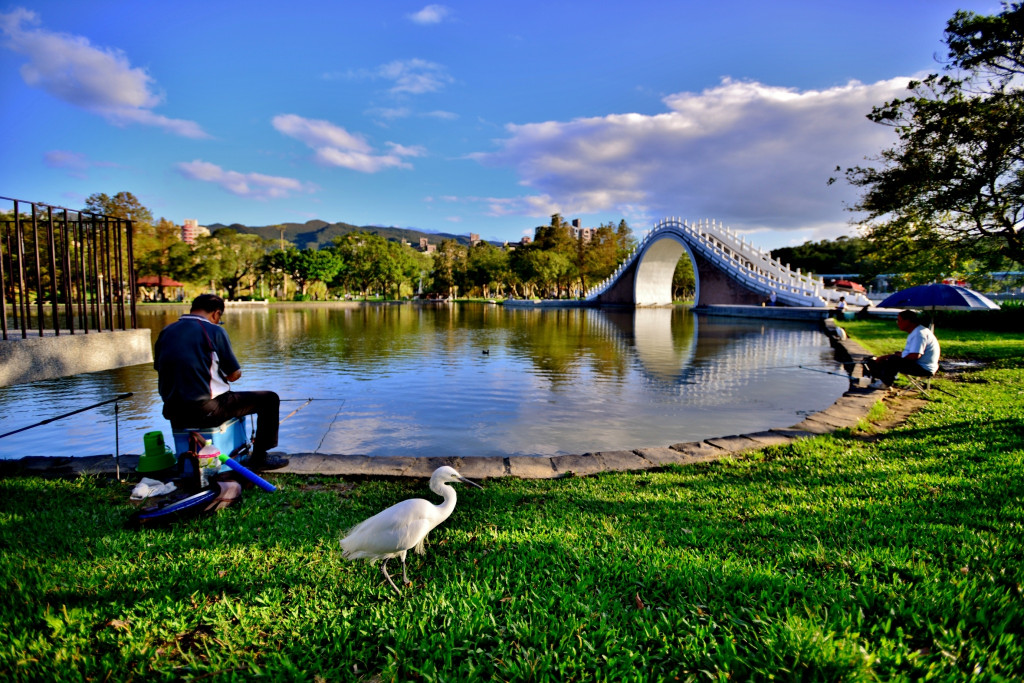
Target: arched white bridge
(727, 270)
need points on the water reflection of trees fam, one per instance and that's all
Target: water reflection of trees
(556, 342)
(559, 343)
(663, 343)
(535, 359)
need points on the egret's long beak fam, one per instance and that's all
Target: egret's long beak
(471, 483)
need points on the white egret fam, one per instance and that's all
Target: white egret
(403, 526)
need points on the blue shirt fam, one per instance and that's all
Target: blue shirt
(193, 357)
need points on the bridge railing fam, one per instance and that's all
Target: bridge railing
(742, 260)
(752, 265)
(64, 270)
(780, 277)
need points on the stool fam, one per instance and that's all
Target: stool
(916, 382)
(923, 383)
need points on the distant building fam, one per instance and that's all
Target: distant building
(526, 240)
(581, 233)
(191, 230)
(575, 229)
(474, 239)
(426, 247)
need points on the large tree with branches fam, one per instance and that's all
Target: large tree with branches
(952, 184)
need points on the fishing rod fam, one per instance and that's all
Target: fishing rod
(120, 397)
(827, 372)
(286, 400)
(306, 403)
(809, 366)
(853, 379)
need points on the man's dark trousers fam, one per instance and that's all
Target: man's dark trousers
(886, 370)
(218, 410)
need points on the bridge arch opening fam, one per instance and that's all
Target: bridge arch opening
(656, 268)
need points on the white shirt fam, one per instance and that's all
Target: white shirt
(922, 340)
(218, 385)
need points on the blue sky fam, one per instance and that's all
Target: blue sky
(460, 117)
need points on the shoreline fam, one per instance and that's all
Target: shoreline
(846, 412)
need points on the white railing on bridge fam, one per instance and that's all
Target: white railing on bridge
(753, 267)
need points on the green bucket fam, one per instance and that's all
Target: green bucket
(157, 455)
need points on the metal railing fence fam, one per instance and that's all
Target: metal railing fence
(64, 270)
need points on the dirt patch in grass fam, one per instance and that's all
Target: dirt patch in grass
(342, 488)
(898, 407)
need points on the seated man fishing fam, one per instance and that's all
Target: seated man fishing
(919, 357)
(196, 365)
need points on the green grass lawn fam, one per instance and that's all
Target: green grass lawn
(856, 556)
(882, 336)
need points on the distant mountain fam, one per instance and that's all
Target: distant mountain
(317, 234)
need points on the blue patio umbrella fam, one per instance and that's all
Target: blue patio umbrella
(939, 297)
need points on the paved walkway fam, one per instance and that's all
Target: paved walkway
(846, 412)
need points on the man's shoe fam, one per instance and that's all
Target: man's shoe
(878, 384)
(267, 462)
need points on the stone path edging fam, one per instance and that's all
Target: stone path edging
(846, 412)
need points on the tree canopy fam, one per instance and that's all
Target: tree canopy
(121, 205)
(559, 262)
(844, 255)
(950, 189)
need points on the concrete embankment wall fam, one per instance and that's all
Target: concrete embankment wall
(35, 358)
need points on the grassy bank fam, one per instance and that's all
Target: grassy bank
(857, 556)
(1003, 349)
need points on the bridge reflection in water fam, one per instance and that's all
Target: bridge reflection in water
(716, 360)
(414, 380)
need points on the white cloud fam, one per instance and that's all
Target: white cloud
(440, 114)
(390, 113)
(409, 76)
(249, 185)
(393, 113)
(100, 80)
(750, 155)
(335, 146)
(431, 14)
(414, 76)
(76, 164)
(60, 158)
(404, 151)
(317, 133)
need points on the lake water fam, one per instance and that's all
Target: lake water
(466, 380)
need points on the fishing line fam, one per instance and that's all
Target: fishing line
(808, 366)
(286, 400)
(827, 372)
(307, 402)
(330, 425)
